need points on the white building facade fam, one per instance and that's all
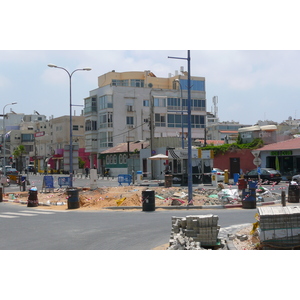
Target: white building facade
(133, 106)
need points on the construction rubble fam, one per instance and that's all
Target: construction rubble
(130, 196)
(195, 233)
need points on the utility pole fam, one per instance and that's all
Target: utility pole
(151, 125)
(190, 169)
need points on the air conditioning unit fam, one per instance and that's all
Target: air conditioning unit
(130, 126)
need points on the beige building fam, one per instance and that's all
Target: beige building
(132, 106)
(44, 140)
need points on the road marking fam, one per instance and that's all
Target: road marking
(38, 212)
(19, 214)
(1, 216)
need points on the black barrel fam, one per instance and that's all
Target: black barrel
(293, 193)
(32, 199)
(249, 199)
(168, 180)
(148, 200)
(73, 199)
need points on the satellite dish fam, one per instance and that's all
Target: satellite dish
(150, 85)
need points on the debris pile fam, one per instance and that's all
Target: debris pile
(195, 233)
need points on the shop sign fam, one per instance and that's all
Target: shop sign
(282, 153)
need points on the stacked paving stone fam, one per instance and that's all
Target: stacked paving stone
(279, 226)
(194, 232)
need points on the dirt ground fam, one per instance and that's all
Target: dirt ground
(119, 196)
(250, 244)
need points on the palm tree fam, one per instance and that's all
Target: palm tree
(18, 153)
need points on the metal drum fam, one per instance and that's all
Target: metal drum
(148, 200)
(249, 200)
(32, 198)
(73, 199)
(293, 193)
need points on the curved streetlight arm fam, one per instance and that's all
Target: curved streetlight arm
(71, 125)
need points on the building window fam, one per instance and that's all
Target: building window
(27, 137)
(116, 82)
(106, 140)
(196, 104)
(174, 103)
(105, 102)
(160, 120)
(129, 121)
(159, 102)
(137, 82)
(146, 103)
(90, 105)
(174, 120)
(196, 85)
(106, 120)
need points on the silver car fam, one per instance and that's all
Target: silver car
(219, 173)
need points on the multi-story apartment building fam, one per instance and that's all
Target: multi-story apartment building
(45, 141)
(19, 130)
(132, 106)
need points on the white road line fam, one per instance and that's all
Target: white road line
(19, 214)
(38, 212)
(8, 217)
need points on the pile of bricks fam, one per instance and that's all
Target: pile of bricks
(194, 232)
(279, 226)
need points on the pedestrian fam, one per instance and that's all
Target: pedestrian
(167, 168)
(86, 172)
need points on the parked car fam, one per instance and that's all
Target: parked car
(12, 171)
(220, 174)
(296, 178)
(268, 175)
(9, 170)
(30, 168)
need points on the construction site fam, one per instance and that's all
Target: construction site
(276, 227)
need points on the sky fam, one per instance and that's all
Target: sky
(251, 85)
(250, 60)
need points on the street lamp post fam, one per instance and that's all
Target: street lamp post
(71, 125)
(190, 169)
(4, 142)
(181, 100)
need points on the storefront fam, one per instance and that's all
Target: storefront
(202, 164)
(282, 156)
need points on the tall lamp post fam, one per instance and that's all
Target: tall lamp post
(71, 129)
(181, 100)
(190, 169)
(4, 142)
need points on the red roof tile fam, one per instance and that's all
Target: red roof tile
(285, 145)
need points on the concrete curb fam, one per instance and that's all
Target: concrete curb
(190, 207)
(227, 206)
(24, 202)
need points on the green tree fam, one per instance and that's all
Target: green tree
(18, 153)
(81, 163)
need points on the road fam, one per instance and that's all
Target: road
(24, 228)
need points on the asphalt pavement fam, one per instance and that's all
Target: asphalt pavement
(37, 180)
